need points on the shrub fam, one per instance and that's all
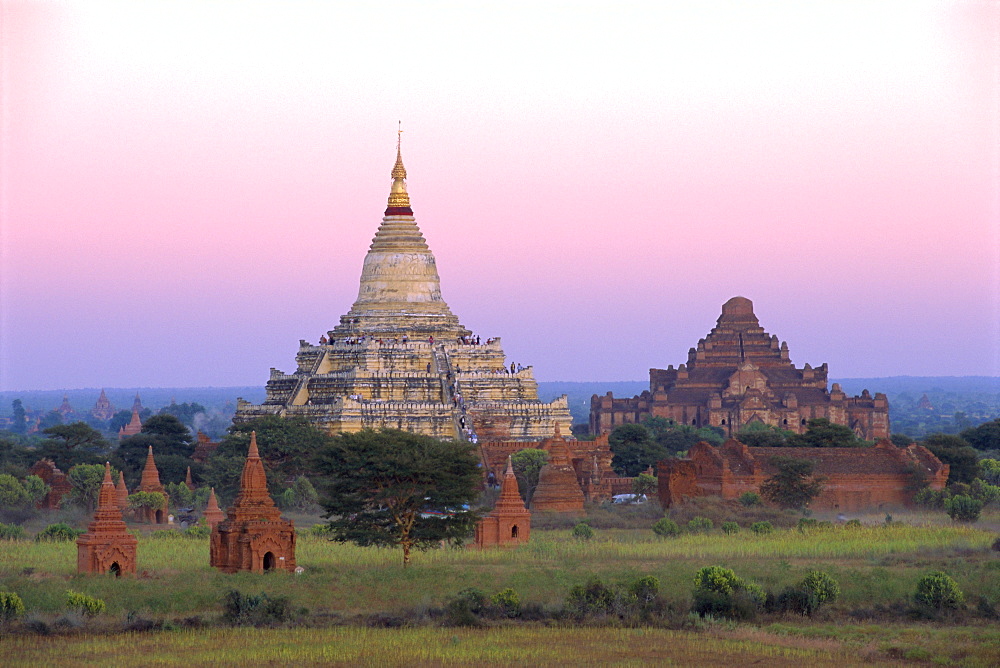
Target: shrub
(762, 528)
(807, 523)
(593, 597)
(937, 590)
(11, 606)
(466, 607)
(730, 528)
(255, 610)
(86, 605)
(821, 586)
(963, 508)
(197, 531)
(699, 524)
(58, 532)
(719, 591)
(508, 602)
(853, 524)
(644, 589)
(929, 498)
(582, 531)
(666, 528)
(750, 499)
(11, 532)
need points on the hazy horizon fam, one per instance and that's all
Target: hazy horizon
(188, 189)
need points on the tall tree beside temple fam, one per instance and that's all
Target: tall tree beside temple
(394, 488)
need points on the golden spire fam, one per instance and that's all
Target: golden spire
(399, 199)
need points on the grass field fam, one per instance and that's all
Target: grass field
(344, 586)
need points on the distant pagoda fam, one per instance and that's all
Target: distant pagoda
(103, 409)
(400, 358)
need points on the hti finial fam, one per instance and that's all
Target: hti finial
(399, 136)
(399, 200)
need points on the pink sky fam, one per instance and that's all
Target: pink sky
(189, 188)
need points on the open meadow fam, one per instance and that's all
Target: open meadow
(359, 605)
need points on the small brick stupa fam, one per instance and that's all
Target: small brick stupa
(253, 537)
(150, 482)
(132, 428)
(121, 493)
(558, 490)
(509, 523)
(107, 547)
(213, 514)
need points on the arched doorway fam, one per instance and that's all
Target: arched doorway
(513, 531)
(269, 561)
(159, 517)
(115, 569)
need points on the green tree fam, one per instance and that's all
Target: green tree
(147, 500)
(395, 488)
(674, 438)
(50, 419)
(12, 492)
(86, 480)
(527, 465)
(821, 433)
(644, 484)
(172, 447)
(963, 508)
(954, 451)
(184, 412)
(18, 420)
(286, 446)
(78, 435)
(793, 484)
(939, 591)
(760, 435)
(301, 496)
(984, 437)
(634, 450)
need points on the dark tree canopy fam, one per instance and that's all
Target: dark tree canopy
(675, 438)
(821, 433)
(394, 488)
(793, 485)
(184, 412)
(78, 435)
(634, 449)
(984, 437)
(18, 420)
(963, 461)
(760, 435)
(172, 450)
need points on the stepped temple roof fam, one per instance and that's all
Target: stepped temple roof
(399, 358)
(740, 374)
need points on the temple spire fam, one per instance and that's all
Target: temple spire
(399, 199)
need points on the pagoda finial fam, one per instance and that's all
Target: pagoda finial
(252, 453)
(399, 199)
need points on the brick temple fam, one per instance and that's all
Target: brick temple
(107, 546)
(878, 477)
(509, 523)
(401, 359)
(739, 374)
(150, 482)
(253, 537)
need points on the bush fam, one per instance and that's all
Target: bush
(729, 528)
(666, 528)
(255, 610)
(11, 532)
(807, 523)
(11, 606)
(86, 605)
(58, 532)
(929, 498)
(853, 524)
(466, 607)
(963, 508)
(507, 602)
(644, 589)
(699, 524)
(582, 531)
(820, 585)
(750, 499)
(762, 528)
(198, 531)
(720, 592)
(938, 591)
(593, 597)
